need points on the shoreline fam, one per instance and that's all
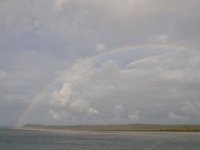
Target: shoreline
(103, 132)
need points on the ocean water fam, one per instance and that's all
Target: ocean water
(33, 140)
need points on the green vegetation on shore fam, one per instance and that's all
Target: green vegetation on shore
(128, 127)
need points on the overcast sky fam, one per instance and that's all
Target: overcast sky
(99, 61)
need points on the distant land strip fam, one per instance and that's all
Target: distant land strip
(127, 127)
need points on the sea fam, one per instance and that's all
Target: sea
(38, 140)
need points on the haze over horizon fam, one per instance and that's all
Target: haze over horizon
(70, 62)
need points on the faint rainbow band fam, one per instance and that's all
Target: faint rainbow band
(83, 62)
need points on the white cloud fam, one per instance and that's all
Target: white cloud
(92, 111)
(54, 114)
(100, 47)
(79, 106)
(159, 39)
(175, 117)
(158, 81)
(134, 116)
(2, 75)
(82, 83)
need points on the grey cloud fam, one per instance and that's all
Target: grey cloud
(116, 93)
(40, 39)
(109, 22)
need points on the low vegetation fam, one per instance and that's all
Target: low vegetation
(129, 127)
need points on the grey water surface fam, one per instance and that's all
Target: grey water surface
(34, 140)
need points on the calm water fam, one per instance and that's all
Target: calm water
(29, 140)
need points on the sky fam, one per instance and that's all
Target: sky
(67, 62)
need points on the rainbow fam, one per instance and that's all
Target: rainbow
(83, 62)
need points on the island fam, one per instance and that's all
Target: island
(117, 128)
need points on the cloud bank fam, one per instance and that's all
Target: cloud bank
(158, 89)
